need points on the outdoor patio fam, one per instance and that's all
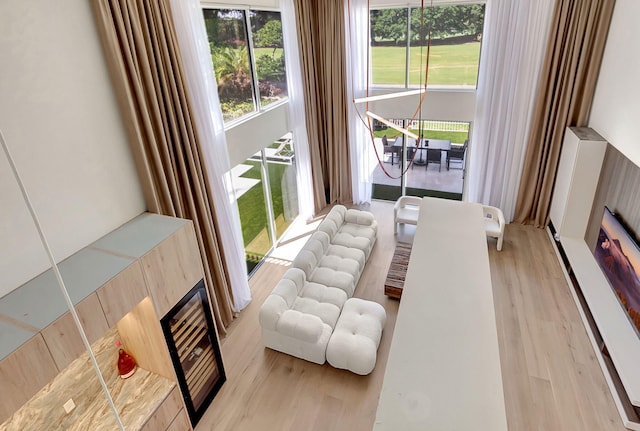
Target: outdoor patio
(425, 177)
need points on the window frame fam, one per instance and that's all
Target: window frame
(258, 109)
(409, 7)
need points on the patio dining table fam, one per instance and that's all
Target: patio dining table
(436, 144)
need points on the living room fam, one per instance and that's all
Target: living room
(62, 123)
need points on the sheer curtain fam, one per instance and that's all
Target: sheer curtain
(513, 48)
(296, 110)
(363, 163)
(194, 46)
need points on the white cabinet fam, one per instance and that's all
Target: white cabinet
(576, 182)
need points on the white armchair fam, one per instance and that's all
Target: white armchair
(494, 223)
(406, 210)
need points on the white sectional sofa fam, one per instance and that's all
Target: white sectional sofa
(302, 311)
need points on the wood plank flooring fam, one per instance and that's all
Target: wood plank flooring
(551, 378)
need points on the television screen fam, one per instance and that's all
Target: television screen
(619, 257)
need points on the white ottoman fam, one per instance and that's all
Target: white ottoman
(354, 343)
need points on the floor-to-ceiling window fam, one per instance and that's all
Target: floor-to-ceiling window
(440, 44)
(248, 59)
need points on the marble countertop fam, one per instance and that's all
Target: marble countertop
(135, 398)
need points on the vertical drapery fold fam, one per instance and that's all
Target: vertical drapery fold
(143, 56)
(509, 72)
(296, 110)
(574, 52)
(363, 161)
(321, 33)
(205, 103)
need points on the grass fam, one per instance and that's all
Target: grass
(253, 210)
(448, 64)
(455, 137)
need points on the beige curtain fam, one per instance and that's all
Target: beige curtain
(577, 38)
(321, 34)
(142, 53)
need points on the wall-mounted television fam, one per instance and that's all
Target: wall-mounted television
(618, 255)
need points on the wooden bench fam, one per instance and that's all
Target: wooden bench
(397, 271)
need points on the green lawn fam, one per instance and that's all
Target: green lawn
(448, 64)
(268, 51)
(252, 208)
(455, 137)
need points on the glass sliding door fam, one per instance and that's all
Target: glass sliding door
(392, 152)
(432, 166)
(266, 191)
(248, 186)
(439, 167)
(281, 169)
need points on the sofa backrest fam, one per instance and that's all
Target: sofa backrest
(312, 252)
(333, 221)
(282, 297)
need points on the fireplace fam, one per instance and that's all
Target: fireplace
(189, 331)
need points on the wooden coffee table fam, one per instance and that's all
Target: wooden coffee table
(397, 271)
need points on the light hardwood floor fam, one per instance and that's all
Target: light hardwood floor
(551, 378)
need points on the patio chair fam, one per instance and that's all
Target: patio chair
(434, 156)
(389, 148)
(456, 154)
(406, 211)
(494, 223)
(411, 151)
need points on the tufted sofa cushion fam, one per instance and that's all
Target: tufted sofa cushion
(350, 228)
(355, 339)
(329, 266)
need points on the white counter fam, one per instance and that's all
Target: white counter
(443, 371)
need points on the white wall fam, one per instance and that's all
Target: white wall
(439, 104)
(60, 120)
(243, 141)
(616, 106)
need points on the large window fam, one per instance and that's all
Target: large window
(248, 59)
(399, 42)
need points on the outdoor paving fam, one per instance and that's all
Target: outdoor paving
(422, 177)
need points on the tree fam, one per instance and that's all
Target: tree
(270, 68)
(232, 72)
(443, 22)
(269, 36)
(389, 25)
